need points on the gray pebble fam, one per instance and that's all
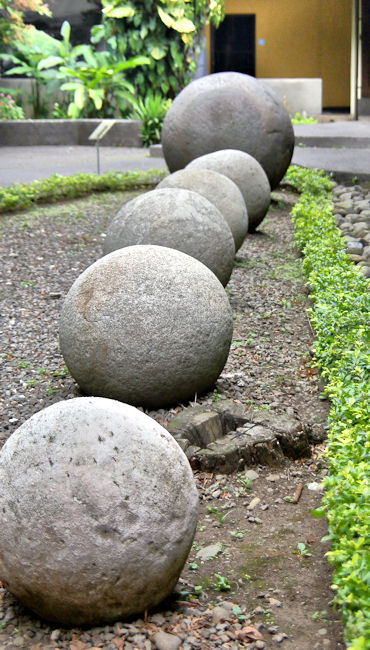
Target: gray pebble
(164, 641)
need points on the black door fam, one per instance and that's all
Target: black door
(233, 45)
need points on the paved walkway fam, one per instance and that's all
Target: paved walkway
(341, 147)
(25, 164)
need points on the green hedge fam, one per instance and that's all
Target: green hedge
(58, 188)
(340, 318)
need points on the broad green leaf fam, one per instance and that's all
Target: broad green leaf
(184, 26)
(73, 111)
(157, 53)
(65, 31)
(10, 57)
(112, 42)
(70, 85)
(97, 95)
(132, 63)
(50, 62)
(119, 12)
(97, 33)
(80, 96)
(20, 69)
(165, 18)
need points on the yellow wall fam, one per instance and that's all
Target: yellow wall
(303, 38)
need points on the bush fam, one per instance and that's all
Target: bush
(58, 188)
(9, 109)
(340, 316)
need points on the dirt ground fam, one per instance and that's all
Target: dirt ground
(258, 549)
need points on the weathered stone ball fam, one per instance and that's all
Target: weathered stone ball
(98, 512)
(219, 190)
(178, 219)
(246, 173)
(229, 110)
(146, 325)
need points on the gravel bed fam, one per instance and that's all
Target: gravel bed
(43, 251)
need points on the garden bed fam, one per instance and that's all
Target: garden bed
(255, 531)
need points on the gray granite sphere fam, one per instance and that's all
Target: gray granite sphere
(98, 512)
(246, 173)
(219, 190)
(179, 219)
(146, 325)
(229, 110)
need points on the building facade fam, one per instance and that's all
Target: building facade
(312, 39)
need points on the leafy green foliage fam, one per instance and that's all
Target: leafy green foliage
(298, 118)
(97, 83)
(221, 516)
(168, 31)
(340, 317)
(151, 111)
(221, 583)
(94, 82)
(58, 188)
(30, 59)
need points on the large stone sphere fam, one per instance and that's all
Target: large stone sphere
(146, 325)
(229, 110)
(218, 189)
(179, 219)
(246, 173)
(98, 512)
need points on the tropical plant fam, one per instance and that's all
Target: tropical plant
(94, 81)
(151, 111)
(12, 25)
(9, 109)
(99, 88)
(170, 32)
(36, 53)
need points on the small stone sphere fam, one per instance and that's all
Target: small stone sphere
(219, 190)
(229, 110)
(246, 173)
(98, 512)
(178, 219)
(146, 325)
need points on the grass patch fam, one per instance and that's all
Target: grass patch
(340, 317)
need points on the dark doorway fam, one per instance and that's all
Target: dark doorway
(365, 55)
(233, 45)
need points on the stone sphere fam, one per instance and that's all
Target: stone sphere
(246, 173)
(98, 512)
(219, 190)
(178, 219)
(146, 325)
(229, 110)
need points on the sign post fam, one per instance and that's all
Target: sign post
(98, 134)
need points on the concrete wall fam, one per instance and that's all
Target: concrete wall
(302, 39)
(124, 133)
(298, 95)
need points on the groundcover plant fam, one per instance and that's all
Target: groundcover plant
(340, 317)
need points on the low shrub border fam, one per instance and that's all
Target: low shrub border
(59, 188)
(340, 318)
